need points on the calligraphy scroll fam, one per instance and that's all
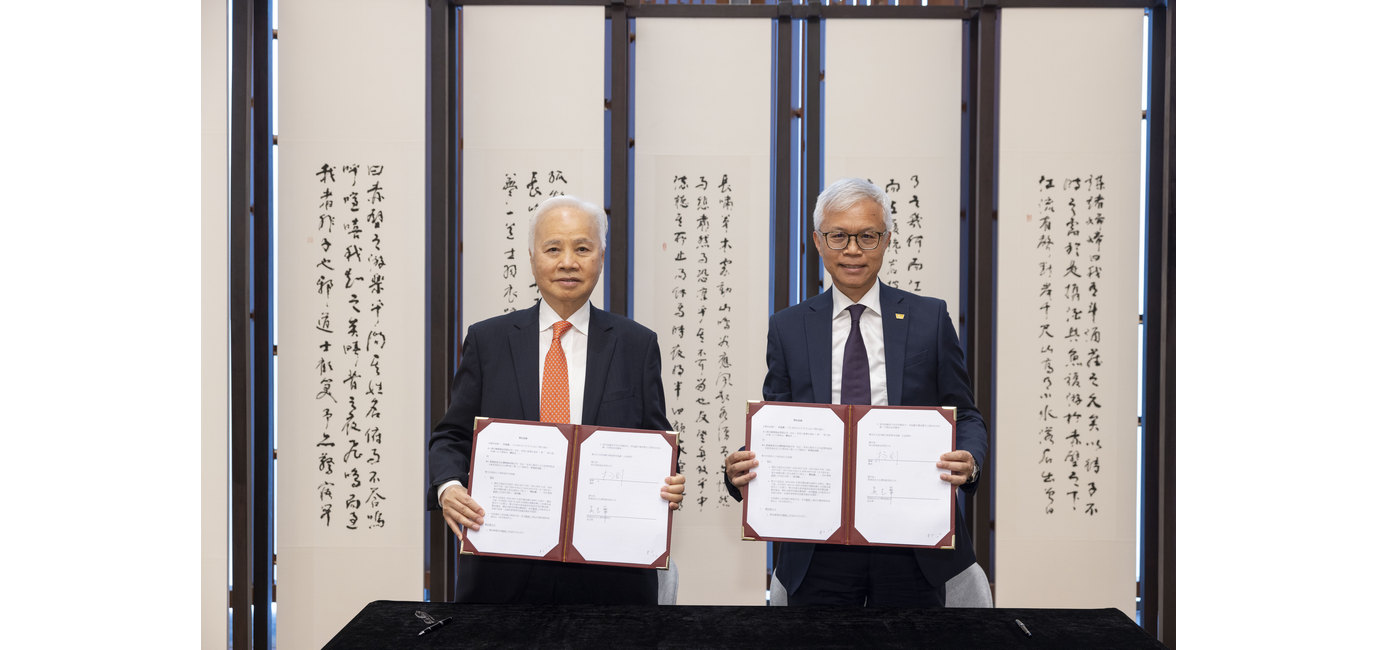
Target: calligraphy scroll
(350, 421)
(702, 263)
(909, 74)
(532, 125)
(1067, 308)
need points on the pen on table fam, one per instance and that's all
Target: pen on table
(443, 621)
(1023, 627)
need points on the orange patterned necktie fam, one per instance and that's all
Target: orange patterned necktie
(554, 390)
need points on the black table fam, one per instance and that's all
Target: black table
(392, 624)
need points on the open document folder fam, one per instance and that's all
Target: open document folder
(571, 493)
(850, 474)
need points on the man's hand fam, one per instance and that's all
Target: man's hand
(959, 465)
(674, 490)
(460, 509)
(739, 465)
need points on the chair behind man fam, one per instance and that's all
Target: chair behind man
(668, 582)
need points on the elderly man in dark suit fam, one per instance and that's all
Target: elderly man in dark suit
(562, 360)
(903, 351)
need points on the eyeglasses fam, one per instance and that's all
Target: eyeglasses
(839, 240)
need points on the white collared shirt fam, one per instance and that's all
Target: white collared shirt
(575, 344)
(872, 331)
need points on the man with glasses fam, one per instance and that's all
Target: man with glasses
(863, 342)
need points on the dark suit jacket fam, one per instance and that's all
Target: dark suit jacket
(924, 367)
(499, 378)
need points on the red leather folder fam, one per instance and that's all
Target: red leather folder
(575, 436)
(848, 532)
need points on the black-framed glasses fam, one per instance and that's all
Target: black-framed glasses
(839, 240)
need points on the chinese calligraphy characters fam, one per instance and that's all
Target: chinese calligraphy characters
(521, 193)
(906, 257)
(698, 332)
(352, 273)
(1069, 222)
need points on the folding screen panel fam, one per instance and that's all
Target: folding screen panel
(214, 328)
(894, 117)
(1067, 307)
(350, 260)
(532, 124)
(702, 267)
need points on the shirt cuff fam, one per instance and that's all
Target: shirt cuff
(443, 488)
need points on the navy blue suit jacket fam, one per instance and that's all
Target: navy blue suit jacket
(499, 377)
(924, 367)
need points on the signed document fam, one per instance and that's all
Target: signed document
(518, 473)
(618, 516)
(899, 498)
(850, 474)
(570, 493)
(798, 495)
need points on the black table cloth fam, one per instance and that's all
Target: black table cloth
(392, 624)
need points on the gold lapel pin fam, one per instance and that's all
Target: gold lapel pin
(899, 316)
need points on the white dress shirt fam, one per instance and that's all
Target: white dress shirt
(575, 345)
(872, 331)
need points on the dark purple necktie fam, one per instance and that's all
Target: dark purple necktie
(855, 365)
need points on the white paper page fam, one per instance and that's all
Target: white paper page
(899, 498)
(518, 478)
(619, 515)
(797, 492)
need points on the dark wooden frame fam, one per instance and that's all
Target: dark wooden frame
(1158, 561)
(978, 320)
(251, 319)
(443, 256)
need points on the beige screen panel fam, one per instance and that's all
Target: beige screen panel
(350, 313)
(214, 329)
(532, 125)
(894, 117)
(1067, 307)
(701, 269)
